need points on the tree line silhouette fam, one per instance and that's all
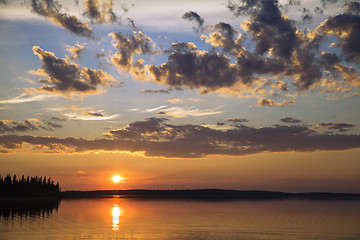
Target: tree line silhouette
(28, 186)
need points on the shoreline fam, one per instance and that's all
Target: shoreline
(191, 194)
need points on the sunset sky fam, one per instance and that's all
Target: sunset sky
(251, 94)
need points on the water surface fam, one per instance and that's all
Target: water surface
(116, 218)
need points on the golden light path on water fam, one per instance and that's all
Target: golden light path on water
(115, 217)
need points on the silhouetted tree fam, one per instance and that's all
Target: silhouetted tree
(32, 186)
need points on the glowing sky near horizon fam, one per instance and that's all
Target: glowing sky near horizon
(182, 94)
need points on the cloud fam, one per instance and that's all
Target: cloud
(193, 16)
(155, 109)
(181, 112)
(63, 77)
(290, 120)
(155, 137)
(270, 29)
(186, 66)
(51, 9)
(89, 117)
(129, 45)
(238, 120)
(75, 51)
(157, 91)
(341, 127)
(92, 11)
(279, 50)
(346, 27)
(85, 114)
(224, 37)
(265, 102)
(271, 103)
(27, 97)
(32, 124)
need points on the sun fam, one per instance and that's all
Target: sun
(116, 178)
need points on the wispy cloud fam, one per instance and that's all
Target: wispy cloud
(74, 116)
(85, 114)
(25, 97)
(155, 109)
(190, 111)
(184, 111)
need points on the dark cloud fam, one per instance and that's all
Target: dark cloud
(94, 12)
(52, 9)
(13, 126)
(128, 45)
(271, 30)
(342, 127)
(157, 91)
(188, 67)
(53, 125)
(292, 53)
(352, 8)
(290, 120)
(67, 78)
(154, 137)
(328, 60)
(281, 51)
(238, 120)
(193, 16)
(347, 28)
(7, 126)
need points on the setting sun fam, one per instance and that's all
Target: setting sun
(116, 178)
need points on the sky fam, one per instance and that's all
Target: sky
(247, 94)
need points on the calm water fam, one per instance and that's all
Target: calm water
(115, 218)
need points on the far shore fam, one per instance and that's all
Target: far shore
(196, 194)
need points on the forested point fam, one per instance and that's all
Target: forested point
(28, 186)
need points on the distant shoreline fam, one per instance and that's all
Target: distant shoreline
(208, 194)
(194, 194)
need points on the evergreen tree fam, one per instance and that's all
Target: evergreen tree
(31, 187)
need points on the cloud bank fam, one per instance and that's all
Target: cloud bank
(155, 137)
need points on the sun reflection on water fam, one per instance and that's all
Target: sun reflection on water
(115, 217)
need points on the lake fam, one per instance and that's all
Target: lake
(119, 218)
